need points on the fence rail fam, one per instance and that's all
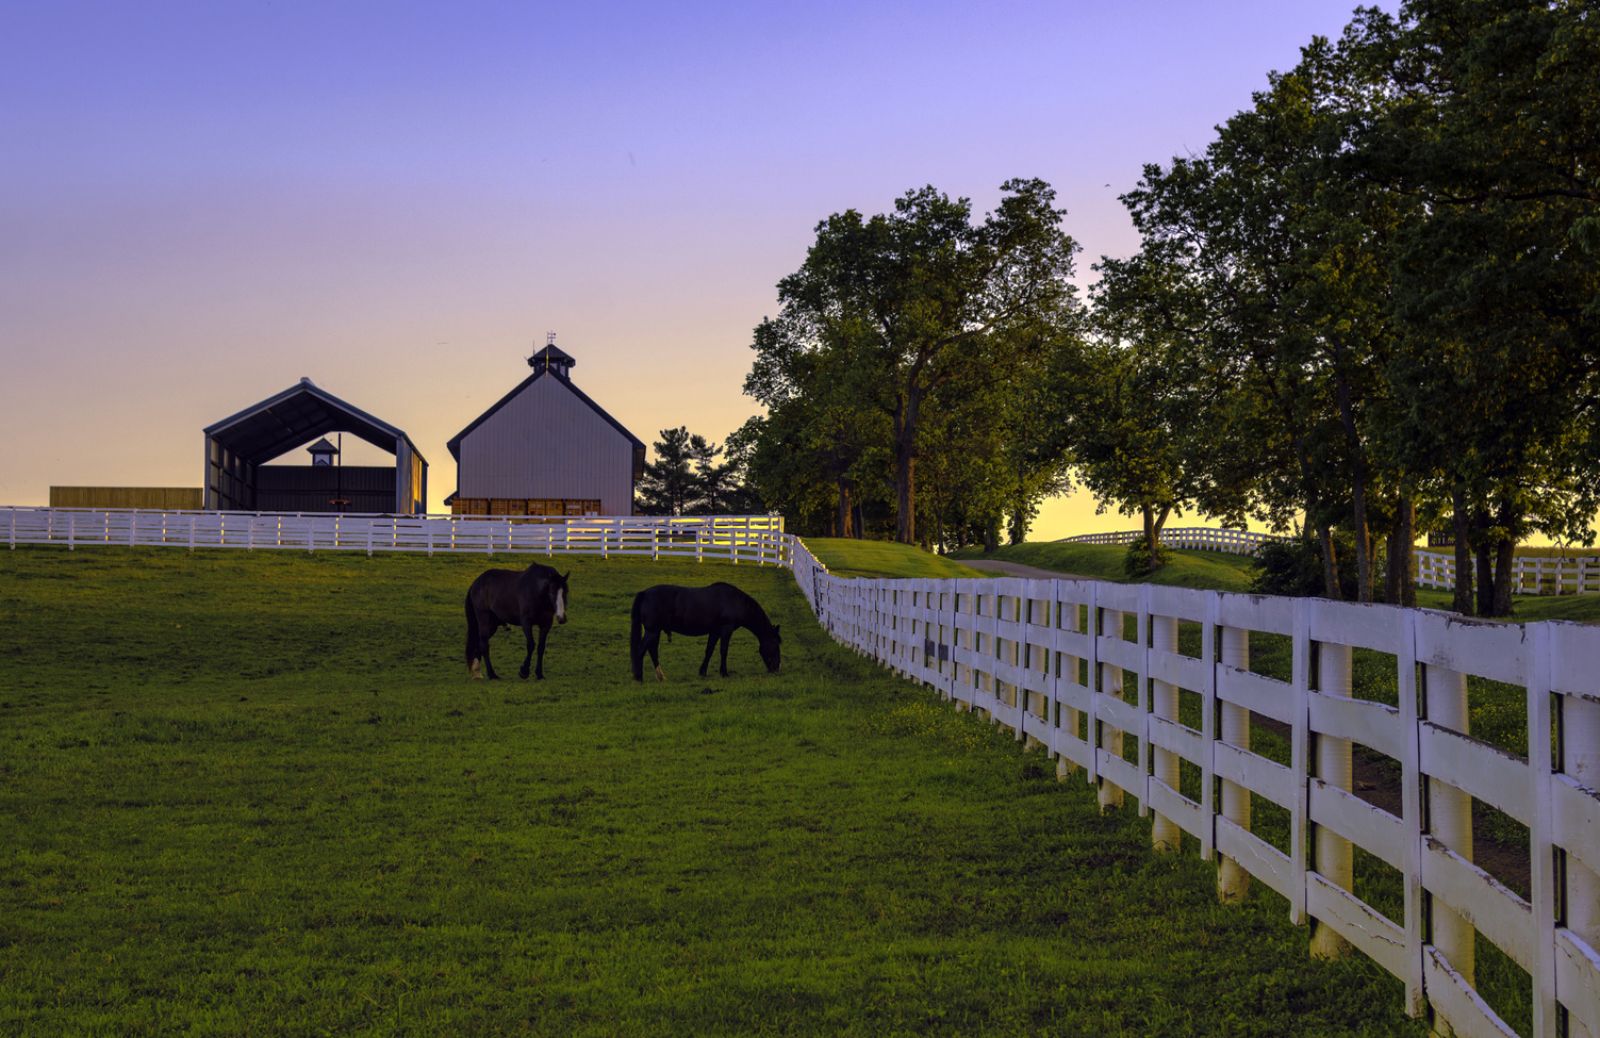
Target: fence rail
(1530, 575)
(1092, 673)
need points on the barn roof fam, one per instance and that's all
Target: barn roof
(305, 410)
(455, 441)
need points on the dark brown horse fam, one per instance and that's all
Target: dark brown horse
(531, 598)
(715, 611)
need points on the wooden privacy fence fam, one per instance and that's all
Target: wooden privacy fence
(1093, 673)
(1530, 574)
(757, 538)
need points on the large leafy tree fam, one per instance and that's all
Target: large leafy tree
(910, 310)
(1497, 132)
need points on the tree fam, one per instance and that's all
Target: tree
(910, 310)
(669, 486)
(1494, 134)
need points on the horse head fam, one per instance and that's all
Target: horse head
(561, 597)
(769, 647)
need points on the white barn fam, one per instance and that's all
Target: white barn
(546, 448)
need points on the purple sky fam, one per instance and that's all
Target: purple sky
(200, 203)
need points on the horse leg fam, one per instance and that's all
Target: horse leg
(711, 643)
(653, 643)
(527, 632)
(727, 636)
(544, 636)
(488, 666)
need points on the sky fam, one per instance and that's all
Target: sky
(201, 203)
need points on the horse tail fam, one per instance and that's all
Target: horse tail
(636, 638)
(472, 637)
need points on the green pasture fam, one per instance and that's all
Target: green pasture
(255, 794)
(848, 557)
(1220, 571)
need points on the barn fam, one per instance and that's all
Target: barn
(238, 478)
(546, 448)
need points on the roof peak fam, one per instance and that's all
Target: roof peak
(552, 358)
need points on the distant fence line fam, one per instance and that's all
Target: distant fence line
(744, 538)
(1530, 574)
(1052, 661)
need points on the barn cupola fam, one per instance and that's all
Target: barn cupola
(322, 452)
(553, 360)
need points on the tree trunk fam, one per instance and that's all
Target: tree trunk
(1330, 564)
(1402, 584)
(991, 536)
(1462, 602)
(842, 521)
(1358, 489)
(906, 414)
(1482, 549)
(1504, 566)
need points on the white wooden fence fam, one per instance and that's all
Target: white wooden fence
(1187, 538)
(757, 538)
(1530, 575)
(1050, 660)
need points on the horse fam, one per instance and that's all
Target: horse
(508, 598)
(716, 611)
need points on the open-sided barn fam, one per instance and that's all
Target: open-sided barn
(546, 448)
(237, 477)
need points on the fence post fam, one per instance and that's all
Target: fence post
(1233, 881)
(1300, 756)
(133, 528)
(1108, 794)
(1165, 835)
(191, 531)
(1580, 761)
(1071, 718)
(1335, 856)
(13, 534)
(369, 538)
(72, 531)
(1449, 816)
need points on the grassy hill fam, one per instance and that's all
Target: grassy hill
(847, 557)
(1220, 571)
(255, 793)
(1204, 569)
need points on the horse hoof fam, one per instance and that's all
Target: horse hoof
(661, 675)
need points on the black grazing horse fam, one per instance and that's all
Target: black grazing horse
(715, 611)
(507, 598)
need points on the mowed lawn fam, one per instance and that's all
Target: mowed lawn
(256, 794)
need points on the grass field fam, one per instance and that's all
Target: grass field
(1220, 571)
(847, 557)
(255, 794)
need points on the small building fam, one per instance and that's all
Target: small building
(546, 448)
(238, 478)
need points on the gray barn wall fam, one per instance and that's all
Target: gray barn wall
(546, 442)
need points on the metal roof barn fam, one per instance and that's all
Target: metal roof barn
(546, 448)
(238, 446)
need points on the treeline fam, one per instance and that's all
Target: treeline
(1370, 307)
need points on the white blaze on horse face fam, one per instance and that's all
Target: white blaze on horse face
(561, 606)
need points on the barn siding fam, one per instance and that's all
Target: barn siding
(547, 443)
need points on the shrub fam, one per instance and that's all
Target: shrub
(1140, 561)
(1294, 568)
